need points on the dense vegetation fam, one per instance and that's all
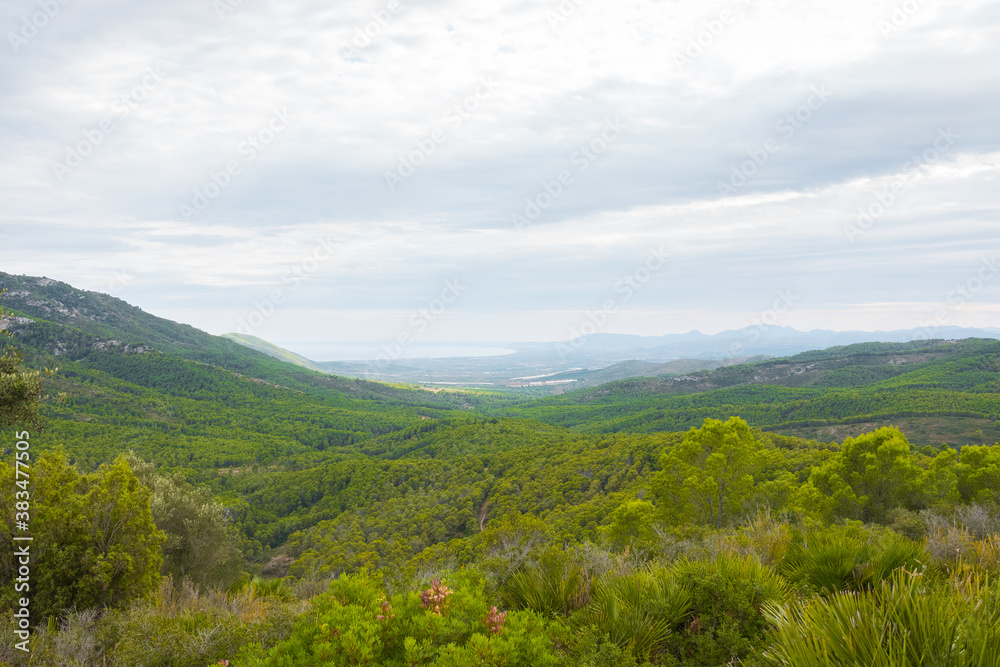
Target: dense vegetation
(197, 502)
(857, 384)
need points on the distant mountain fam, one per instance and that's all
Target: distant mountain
(764, 339)
(936, 391)
(204, 406)
(103, 316)
(273, 350)
(299, 453)
(57, 322)
(597, 358)
(844, 366)
(526, 371)
(580, 378)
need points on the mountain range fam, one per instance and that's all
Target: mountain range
(273, 436)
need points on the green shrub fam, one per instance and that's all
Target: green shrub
(592, 648)
(726, 614)
(200, 542)
(78, 639)
(188, 628)
(848, 558)
(761, 536)
(636, 611)
(258, 587)
(903, 621)
(94, 541)
(450, 624)
(908, 523)
(557, 584)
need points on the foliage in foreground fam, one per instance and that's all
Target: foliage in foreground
(905, 621)
(20, 387)
(94, 541)
(451, 623)
(180, 627)
(750, 595)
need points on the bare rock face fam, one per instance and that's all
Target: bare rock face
(14, 323)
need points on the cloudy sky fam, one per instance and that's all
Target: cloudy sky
(495, 171)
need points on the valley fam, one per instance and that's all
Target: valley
(317, 481)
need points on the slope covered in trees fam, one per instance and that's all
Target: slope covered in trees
(652, 521)
(950, 385)
(53, 321)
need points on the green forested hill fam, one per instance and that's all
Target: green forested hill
(614, 524)
(253, 427)
(55, 321)
(272, 350)
(947, 390)
(103, 316)
(190, 401)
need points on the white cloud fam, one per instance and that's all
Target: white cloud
(557, 84)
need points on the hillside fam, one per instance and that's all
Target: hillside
(760, 339)
(274, 351)
(583, 378)
(182, 398)
(938, 391)
(103, 316)
(218, 411)
(539, 508)
(56, 321)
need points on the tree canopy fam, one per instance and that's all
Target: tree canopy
(20, 387)
(712, 475)
(94, 541)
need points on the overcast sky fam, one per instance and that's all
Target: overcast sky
(315, 171)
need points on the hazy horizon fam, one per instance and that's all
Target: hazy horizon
(369, 350)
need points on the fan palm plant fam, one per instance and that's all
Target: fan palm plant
(903, 622)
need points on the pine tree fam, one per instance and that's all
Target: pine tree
(20, 388)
